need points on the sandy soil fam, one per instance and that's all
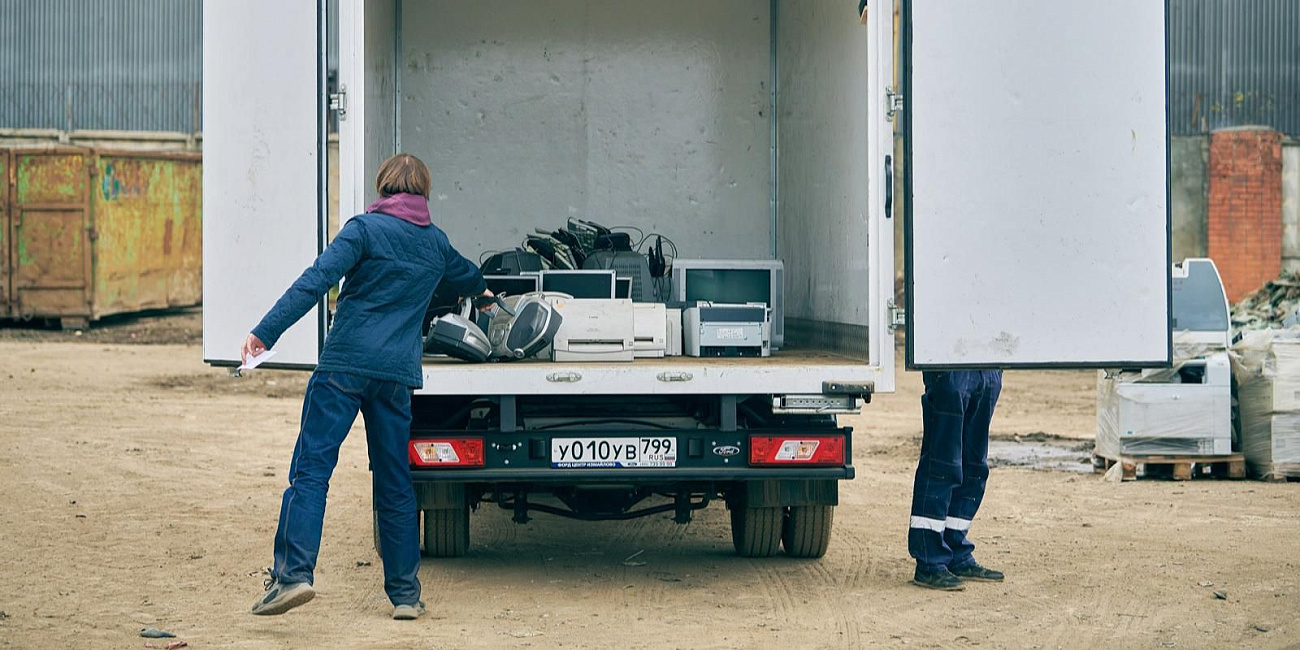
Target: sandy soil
(139, 488)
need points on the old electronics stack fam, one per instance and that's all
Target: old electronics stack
(587, 293)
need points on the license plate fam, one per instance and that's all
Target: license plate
(574, 453)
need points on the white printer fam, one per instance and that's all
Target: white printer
(651, 330)
(713, 329)
(1186, 409)
(594, 330)
(673, 332)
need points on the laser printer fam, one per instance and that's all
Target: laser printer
(1185, 409)
(651, 330)
(594, 329)
(714, 329)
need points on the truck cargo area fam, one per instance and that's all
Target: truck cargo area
(736, 129)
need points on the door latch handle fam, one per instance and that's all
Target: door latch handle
(675, 376)
(889, 187)
(564, 377)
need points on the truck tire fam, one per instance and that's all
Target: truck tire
(756, 532)
(446, 532)
(807, 530)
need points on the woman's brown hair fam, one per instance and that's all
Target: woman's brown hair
(403, 173)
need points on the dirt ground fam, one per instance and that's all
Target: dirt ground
(139, 487)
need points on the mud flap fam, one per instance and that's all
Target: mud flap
(439, 496)
(786, 493)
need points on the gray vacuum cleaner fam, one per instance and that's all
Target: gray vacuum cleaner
(458, 336)
(529, 328)
(523, 326)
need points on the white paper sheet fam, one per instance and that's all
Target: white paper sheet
(257, 360)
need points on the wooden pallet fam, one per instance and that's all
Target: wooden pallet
(1178, 468)
(1283, 473)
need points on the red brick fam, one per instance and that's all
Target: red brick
(1244, 225)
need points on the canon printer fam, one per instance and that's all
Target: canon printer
(594, 330)
(712, 329)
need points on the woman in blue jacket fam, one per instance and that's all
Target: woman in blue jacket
(393, 258)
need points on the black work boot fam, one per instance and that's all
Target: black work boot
(941, 579)
(973, 571)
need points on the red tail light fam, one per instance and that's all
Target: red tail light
(447, 452)
(796, 450)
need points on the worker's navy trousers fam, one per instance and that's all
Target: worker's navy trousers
(333, 400)
(956, 408)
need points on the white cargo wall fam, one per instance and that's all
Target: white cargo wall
(656, 115)
(650, 114)
(822, 169)
(262, 182)
(1038, 184)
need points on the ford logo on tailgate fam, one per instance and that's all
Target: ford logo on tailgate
(726, 450)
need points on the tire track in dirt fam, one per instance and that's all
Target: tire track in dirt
(776, 591)
(822, 584)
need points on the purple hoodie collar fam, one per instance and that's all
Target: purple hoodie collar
(411, 208)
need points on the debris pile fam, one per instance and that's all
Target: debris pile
(1274, 306)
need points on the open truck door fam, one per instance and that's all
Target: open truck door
(1036, 184)
(264, 170)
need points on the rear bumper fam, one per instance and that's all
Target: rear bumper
(630, 476)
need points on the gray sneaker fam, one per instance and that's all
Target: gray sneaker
(281, 597)
(408, 612)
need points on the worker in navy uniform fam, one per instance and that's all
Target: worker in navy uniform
(957, 408)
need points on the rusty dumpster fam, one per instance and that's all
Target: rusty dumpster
(88, 233)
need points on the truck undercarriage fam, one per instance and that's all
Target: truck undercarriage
(597, 458)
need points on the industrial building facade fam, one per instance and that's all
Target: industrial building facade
(137, 64)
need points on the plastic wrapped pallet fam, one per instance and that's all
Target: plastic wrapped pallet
(1266, 365)
(1185, 410)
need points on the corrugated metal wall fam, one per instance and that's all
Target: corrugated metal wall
(1234, 62)
(137, 64)
(101, 64)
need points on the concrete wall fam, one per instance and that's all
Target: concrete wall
(1187, 193)
(1291, 205)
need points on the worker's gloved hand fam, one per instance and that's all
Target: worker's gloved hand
(253, 346)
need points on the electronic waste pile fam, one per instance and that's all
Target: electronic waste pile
(588, 293)
(1232, 396)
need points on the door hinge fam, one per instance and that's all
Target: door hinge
(893, 103)
(897, 316)
(339, 102)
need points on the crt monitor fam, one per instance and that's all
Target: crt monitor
(580, 284)
(734, 281)
(512, 285)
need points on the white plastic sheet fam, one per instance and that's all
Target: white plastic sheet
(1184, 410)
(1266, 365)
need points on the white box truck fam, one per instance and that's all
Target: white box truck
(1036, 214)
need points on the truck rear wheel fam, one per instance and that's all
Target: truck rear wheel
(756, 532)
(446, 532)
(807, 530)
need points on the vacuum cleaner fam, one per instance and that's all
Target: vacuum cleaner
(523, 326)
(458, 336)
(528, 329)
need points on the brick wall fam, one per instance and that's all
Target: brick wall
(1244, 220)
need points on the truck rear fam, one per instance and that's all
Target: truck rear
(758, 130)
